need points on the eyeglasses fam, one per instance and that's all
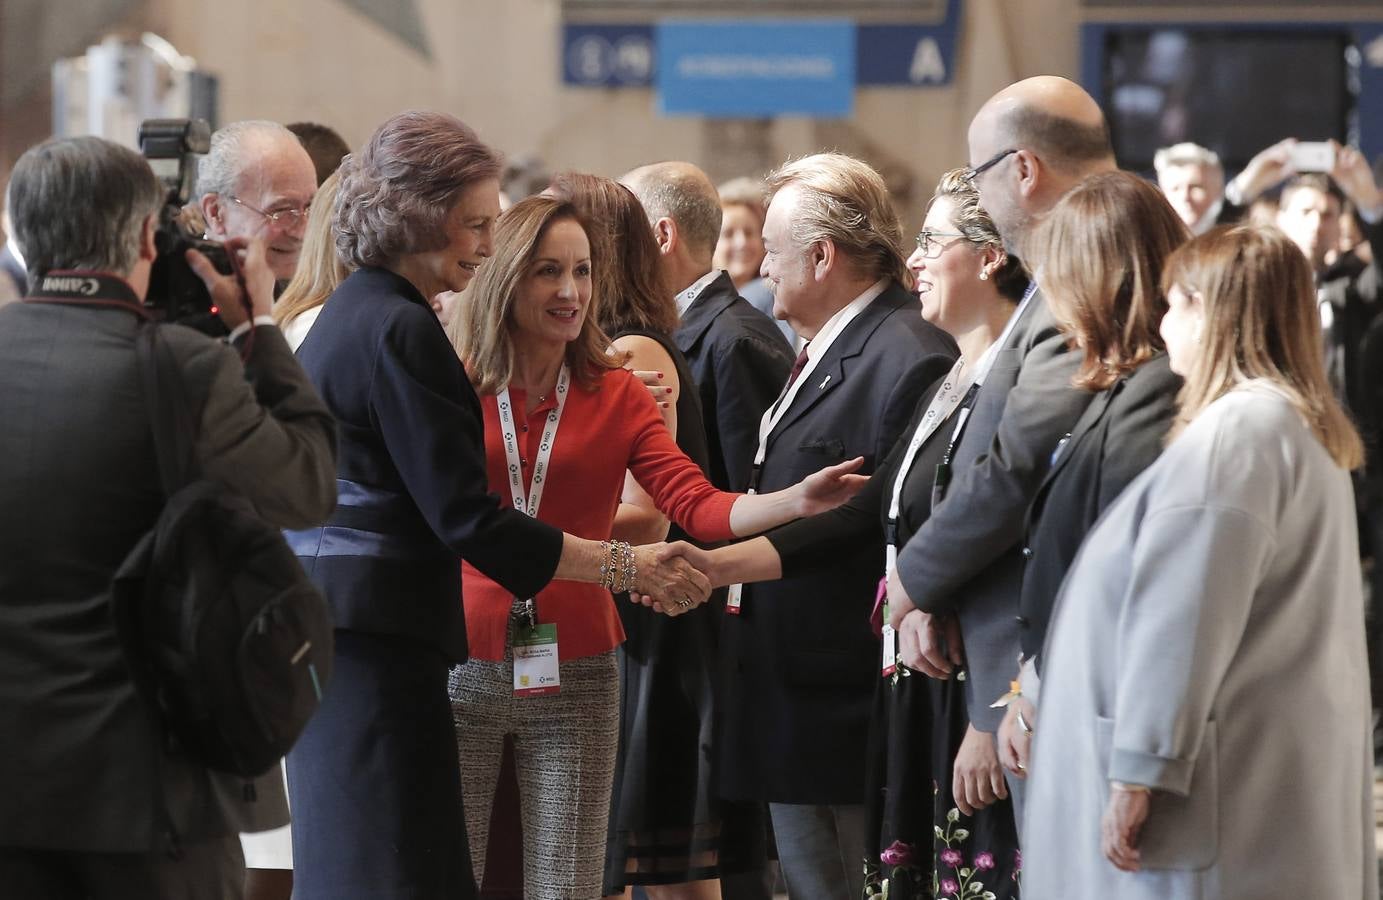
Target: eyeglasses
(290, 216)
(929, 245)
(971, 174)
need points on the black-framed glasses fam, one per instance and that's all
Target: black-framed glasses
(929, 245)
(977, 171)
(291, 216)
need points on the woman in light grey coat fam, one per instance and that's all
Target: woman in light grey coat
(1205, 708)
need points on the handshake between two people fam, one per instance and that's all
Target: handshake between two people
(682, 575)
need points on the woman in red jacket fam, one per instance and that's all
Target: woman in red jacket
(563, 423)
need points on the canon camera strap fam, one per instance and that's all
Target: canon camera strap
(87, 289)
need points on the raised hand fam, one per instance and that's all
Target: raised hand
(1270, 166)
(1355, 178)
(671, 585)
(830, 487)
(240, 297)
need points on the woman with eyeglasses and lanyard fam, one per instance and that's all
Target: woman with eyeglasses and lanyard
(937, 814)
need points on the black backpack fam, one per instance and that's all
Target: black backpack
(228, 641)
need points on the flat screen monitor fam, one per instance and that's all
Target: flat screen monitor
(1234, 91)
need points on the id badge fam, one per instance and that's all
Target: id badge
(734, 599)
(940, 483)
(535, 661)
(889, 661)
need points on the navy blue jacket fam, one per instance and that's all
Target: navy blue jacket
(739, 362)
(801, 662)
(412, 485)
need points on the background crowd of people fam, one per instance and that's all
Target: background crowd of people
(685, 529)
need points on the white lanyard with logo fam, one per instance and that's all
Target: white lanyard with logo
(534, 645)
(734, 600)
(947, 398)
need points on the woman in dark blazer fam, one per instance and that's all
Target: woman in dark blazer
(374, 780)
(1098, 258)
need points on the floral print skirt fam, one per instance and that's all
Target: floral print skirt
(927, 849)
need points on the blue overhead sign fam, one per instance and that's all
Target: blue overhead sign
(608, 55)
(918, 53)
(903, 55)
(755, 68)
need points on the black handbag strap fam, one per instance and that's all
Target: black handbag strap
(170, 413)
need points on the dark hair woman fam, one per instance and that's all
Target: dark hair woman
(1099, 255)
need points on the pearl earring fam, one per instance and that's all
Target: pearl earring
(984, 276)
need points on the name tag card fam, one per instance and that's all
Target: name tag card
(535, 661)
(734, 600)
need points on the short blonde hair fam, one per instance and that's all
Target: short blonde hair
(319, 270)
(482, 328)
(1261, 321)
(844, 201)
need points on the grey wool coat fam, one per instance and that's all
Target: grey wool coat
(1208, 642)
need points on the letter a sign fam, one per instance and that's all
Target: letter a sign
(928, 66)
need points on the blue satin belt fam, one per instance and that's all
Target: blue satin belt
(393, 527)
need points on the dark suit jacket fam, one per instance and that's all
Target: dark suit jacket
(739, 361)
(85, 768)
(965, 559)
(411, 474)
(799, 665)
(1120, 434)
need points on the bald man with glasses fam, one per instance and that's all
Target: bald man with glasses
(959, 579)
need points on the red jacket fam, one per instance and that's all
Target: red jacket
(603, 433)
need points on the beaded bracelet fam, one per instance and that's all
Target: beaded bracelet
(618, 573)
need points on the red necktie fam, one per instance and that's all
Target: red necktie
(798, 365)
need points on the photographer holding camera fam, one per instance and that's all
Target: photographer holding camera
(96, 804)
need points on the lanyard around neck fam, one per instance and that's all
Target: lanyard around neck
(527, 502)
(952, 394)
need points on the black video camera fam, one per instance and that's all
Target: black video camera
(176, 294)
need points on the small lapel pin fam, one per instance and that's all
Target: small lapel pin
(823, 382)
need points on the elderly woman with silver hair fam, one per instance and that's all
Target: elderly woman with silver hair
(374, 780)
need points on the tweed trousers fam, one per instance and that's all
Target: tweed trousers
(564, 755)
